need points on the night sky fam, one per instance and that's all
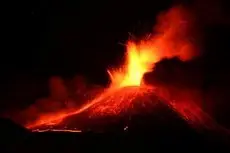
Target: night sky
(65, 38)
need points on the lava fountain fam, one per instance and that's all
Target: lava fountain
(169, 39)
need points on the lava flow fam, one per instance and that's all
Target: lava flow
(169, 39)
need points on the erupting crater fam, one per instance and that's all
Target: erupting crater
(128, 92)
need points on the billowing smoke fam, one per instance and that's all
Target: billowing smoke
(64, 94)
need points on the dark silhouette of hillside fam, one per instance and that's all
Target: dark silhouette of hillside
(161, 131)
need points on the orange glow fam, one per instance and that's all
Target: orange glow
(169, 39)
(57, 130)
(138, 62)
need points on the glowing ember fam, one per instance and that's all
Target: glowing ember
(168, 40)
(57, 130)
(124, 100)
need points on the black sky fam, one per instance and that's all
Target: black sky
(59, 37)
(66, 37)
(45, 38)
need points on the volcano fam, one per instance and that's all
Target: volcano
(128, 95)
(127, 108)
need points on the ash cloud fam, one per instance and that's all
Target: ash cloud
(64, 94)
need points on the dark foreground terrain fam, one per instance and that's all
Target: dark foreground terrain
(138, 138)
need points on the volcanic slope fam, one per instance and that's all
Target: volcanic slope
(125, 109)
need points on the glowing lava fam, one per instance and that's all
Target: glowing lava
(126, 99)
(138, 62)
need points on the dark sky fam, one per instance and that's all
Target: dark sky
(63, 38)
(59, 37)
(43, 38)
